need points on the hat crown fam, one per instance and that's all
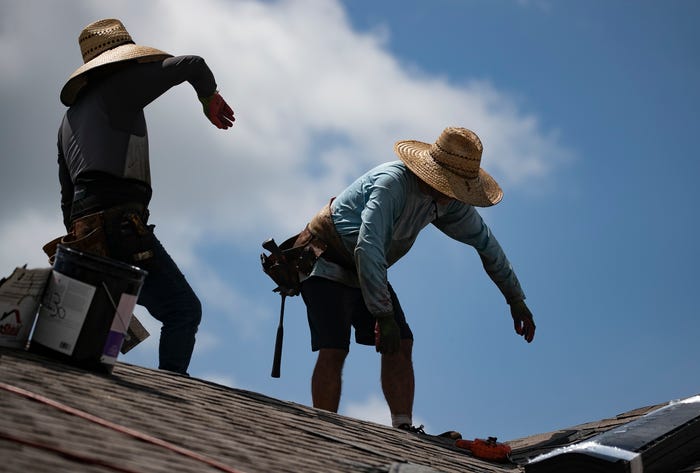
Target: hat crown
(102, 36)
(459, 151)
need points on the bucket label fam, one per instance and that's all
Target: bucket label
(63, 310)
(120, 324)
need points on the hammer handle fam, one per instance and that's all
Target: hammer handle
(277, 359)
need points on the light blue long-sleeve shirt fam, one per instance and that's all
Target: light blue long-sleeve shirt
(379, 217)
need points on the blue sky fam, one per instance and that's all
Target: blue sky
(589, 114)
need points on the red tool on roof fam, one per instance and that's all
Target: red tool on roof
(488, 449)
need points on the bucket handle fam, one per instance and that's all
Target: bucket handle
(124, 326)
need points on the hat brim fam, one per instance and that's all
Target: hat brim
(125, 52)
(482, 191)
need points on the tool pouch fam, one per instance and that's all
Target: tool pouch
(87, 234)
(133, 240)
(299, 255)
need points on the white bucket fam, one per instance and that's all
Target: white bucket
(87, 309)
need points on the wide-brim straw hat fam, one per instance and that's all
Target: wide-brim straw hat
(452, 166)
(105, 42)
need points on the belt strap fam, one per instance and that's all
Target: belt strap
(323, 228)
(83, 225)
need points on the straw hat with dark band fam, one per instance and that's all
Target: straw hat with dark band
(452, 165)
(105, 42)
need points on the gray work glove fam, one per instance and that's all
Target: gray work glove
(387, 336)
(522, 320)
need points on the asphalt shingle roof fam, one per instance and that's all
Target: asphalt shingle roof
(246, 431)
(54, 417)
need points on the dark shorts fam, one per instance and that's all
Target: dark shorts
(332, 308)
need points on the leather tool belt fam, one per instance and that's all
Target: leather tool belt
(89, 233)
(298, 255)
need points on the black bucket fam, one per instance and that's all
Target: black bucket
(86, 309)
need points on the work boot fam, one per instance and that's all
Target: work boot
(412, 429)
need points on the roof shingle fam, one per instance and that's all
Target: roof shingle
(55, 417)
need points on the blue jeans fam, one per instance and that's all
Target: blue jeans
(169, 298)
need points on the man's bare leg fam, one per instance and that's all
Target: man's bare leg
(326, 380)
(398, 381)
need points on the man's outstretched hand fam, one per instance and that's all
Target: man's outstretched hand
(217, 111)
(522, 320)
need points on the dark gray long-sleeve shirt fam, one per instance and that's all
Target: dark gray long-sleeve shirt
(103, 140)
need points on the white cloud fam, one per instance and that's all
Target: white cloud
(373, 409)
(218, 378)
(23, 238)
(317, 103)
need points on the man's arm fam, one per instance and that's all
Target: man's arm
(374, 238)
(383, 205)
(138, 86)
(463, 223)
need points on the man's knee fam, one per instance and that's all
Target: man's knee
(404, 355)
(185, 315)
(406, 347)
(332, 357)
(195, 310)
(190, 316)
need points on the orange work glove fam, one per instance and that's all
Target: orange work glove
(217, 111)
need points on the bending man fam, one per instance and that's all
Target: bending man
(371, 225)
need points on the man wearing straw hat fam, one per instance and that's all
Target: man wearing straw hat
(367, 228)
(104, 167)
